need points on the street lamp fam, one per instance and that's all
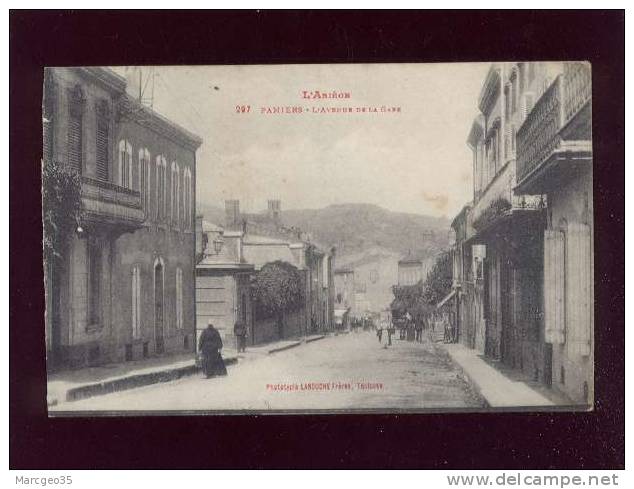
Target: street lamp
(217, 246)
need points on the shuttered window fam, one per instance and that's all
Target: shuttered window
(579, 289)
(75, 140)
(102, 148)
(179, 298)
(136, 302)
(48, 112)
(554, 286)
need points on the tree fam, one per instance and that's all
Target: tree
(420, 298)
(277, 289)
(439, 280)
(61, 206)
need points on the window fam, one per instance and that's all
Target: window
(161, 187)
(514, 92)
(531, 72)
(174, 201)
(179, 298)
(94, 278)
(125, 164)
(102, 140)
(507, 101)
(522, 76)
(187, 198)
(144, 179)
(48, 109)
(75, 129)
(136, 302)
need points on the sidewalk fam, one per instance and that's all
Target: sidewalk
(72, 385)
(497, 389)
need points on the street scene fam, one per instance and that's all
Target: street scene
(301, 238)
(351, 371)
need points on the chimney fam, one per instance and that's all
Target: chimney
(232, 214)
(275, 210)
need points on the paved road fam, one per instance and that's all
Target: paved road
(339, 372)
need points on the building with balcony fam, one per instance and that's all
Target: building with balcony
(555, 159)
(498, 255)
(124, 286)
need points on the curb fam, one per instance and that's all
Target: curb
(285, 347)
(315, 339)
(131, 382)
(462, 373)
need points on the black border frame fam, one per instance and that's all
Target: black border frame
(593, 440)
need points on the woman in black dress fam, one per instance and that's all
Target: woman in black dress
(209, 345)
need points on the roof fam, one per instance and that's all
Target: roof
(147, 117)
(460, 216)
(211, 227)
(260, 250)
(489, 89)
(254, 239)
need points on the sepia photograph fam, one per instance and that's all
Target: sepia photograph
(318, 238)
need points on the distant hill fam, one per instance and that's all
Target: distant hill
(353, 228)
(368, 238)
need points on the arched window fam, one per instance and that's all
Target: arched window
(125, 164)
(179, 298)
(136, 302)
(161, 187)
(144, 179)
(187, 198)
(174, 204)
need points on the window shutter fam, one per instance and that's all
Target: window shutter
(579, 297)
(102, 149)
(554, 261)
(74, 141)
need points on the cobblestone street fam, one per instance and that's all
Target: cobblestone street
(339, 372)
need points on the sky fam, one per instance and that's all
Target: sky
(415, 160)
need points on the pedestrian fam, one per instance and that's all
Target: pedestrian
(240, 331)
(419, 329)
(209, 345)
(379, 332)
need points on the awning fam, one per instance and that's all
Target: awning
(340, 313)
(447, 298)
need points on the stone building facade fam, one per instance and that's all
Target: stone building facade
(125, 286)
(509, 263)
(223, 284)
(410, 271)
(259, 239)
(555, 158)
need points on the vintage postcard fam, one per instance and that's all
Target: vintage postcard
(318, 238)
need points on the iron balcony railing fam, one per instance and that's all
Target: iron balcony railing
(540, 134)
(109, 203)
